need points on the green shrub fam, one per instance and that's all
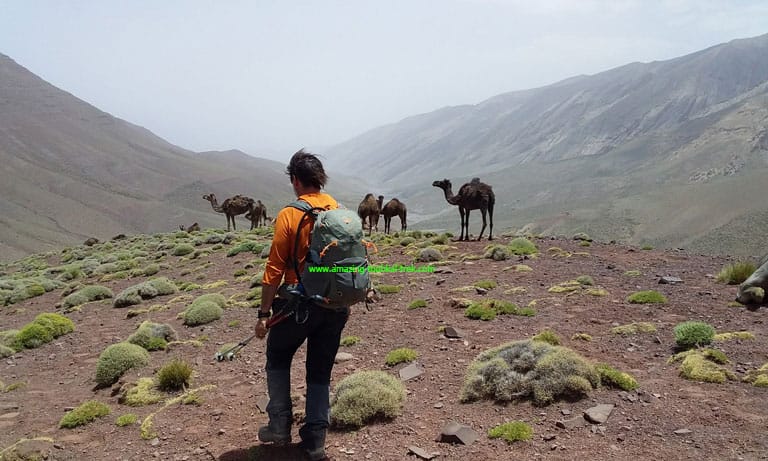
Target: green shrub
(522, 246)
(152, 336)
(693, 334)
(486, 284)
(407, 241)
(126, 419)
(513, 431)
(199, 313)
(697, 367)
(736, 273)
(548, 337)
(117, 359)
(581, 337)
(151, 269)
(418, 303)
(646, 297)
(615, 378)
(44, 329)
(401, 355)
(388, 289)
(143, 392)
(146, 290)
(174, 376)
(84, 414)
(529, 368)
(479, 311)
(182, 249)
(349, 340)
(87, 294)
(364, 396)
(496, 252)
(6, 351)
(585, 280)
(250, 246)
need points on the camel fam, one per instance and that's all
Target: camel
(193, 228)
(257, 216)
(472, 196)
(394, 208)
(231, 207)
(369, 209)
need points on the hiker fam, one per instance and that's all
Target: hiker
(320, 326)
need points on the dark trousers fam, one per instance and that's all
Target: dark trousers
(321, 328)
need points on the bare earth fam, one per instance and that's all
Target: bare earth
(718, 421)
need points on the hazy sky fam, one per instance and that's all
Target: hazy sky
(272, 76)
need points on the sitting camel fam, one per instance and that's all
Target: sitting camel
(193, 228)
(752, 291)
(231, 207)
(472, 196)
(258, 215)
(369, 209)
(394, 208)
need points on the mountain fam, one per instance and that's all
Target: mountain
(670, 153)
(70, 171)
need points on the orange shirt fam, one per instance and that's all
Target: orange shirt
(280, 261)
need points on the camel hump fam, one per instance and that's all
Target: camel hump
(475, 181)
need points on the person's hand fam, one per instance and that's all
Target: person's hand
(261, 328)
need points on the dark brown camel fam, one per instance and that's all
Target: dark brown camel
(257, 216)
(394, 208)
(369, 209)
(472, 196)
(231, 207)
(193, 228)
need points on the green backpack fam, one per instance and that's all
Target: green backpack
(335, 272)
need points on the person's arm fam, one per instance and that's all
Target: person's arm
(274, 270)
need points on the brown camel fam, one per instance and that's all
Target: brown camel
(231, 207)
(193, 228)
(257, 216)
(472, 196)
(369, 209)
(394, 208)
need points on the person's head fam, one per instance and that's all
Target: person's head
(307, 169)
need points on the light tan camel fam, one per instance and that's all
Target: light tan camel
(257, 216)
(231, 207)
(369, 209)
(394, 208)
(472, 196)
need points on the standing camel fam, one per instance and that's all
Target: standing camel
(231, 207)
(258, 215)
(369, 209)
(472, 196)
(394, 208)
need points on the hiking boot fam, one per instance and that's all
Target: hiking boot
(316, 454)
(268, 436)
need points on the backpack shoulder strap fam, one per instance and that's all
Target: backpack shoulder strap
(308, 210)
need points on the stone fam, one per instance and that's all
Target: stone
(451, 332)
(577, 421)
(343, 357)
(421, 453)
(683, 432)
(262, 402)
(411, 371)
(454, 432)
(599, 413)
(669, 280)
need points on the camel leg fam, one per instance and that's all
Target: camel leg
(461, 234)
(466, 226)
(482, 211)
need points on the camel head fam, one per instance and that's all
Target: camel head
(442, 184)
(210, 197)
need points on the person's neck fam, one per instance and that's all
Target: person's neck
(306, 190)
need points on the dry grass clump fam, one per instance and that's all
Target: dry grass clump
(528, 369)
(736, 273)
(84, 414)
(365, 396)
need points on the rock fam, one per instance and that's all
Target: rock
(261, 403)
(411, 371)
(454, 432)
(683, 432)
(481, 291)
(439, 282)
(451, 332)
(669, 280)
(10, 415)
(343, 357)
(421, 453)
(599, 413)
(577, 421)
(443, 270)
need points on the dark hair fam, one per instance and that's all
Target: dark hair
(308, 169)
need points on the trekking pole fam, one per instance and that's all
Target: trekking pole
(229, 354)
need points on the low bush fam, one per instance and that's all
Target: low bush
(646, 297)
(87, 294)
(143, 392)
(615, 378)
(44, 329)
(417, 304)
(548, 337)
(152, 336)
(84, 414)
(174, 376)
(513, 431)
(522, 246)
(365, 396)
(736, 273)
(349, 340)
(401, 355)
(693, 334)
(126, 419)
(117, 359)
